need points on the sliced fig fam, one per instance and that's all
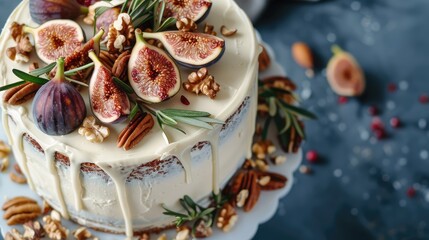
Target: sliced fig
(152, 74)
(80, 58)
(56, 38)
(108, 102)
(197, 10)
(58, 108)
(190, 49)
(344, 74)
(42, 11)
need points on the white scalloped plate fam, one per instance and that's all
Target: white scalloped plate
(247, 224)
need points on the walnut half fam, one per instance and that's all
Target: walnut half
(202, 82)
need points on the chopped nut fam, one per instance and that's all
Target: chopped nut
(19, 210)
(33, 230)
(16, 30)
(162, 237)
(264, 180)
(4, 156)
(262, 148)
(209, 29)
(264, 59)
(201, 81)
(93, 132)
(55, 215)
(14, 234)
(17, 178)
(121, 34)
(262, 165)
(278, 160)
(242, 197)
(54, 229)
(82, 233)
(11, 53)
(227, 217)
(183, 234)
(227, 32)
(186, 25)
(145, 236)
(304, 169)
(4, 164)
(203, 230)
(135, 131)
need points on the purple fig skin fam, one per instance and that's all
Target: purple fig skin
(196, 66)
(42, 11)
(58, 108)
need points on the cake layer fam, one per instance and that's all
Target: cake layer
(106, 187)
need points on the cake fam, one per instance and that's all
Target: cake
(104, 187)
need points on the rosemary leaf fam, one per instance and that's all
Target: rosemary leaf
(272, 107)
(77, 82)
(40, 71)
(134, 111)
(100, 10)
(29, 78)
(178, 129)
(75, 70)
(185, 113)
(166, 24)
(298, 111)
(166, 119)
(266, 128)
(210, 120)
(12, 85)
(124, 5)
(298, 127)
(193, 122)
(122, 85)
(207, 211)
(288, 123)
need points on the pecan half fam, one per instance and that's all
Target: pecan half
(245, 190)
(19, 210)
(275, 181)
(120, 67)
(135, 131)
(20, 94)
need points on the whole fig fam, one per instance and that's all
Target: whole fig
(58, 108)
(42, 11)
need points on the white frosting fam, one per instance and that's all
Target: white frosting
(115, 203)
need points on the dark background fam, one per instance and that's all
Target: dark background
(359, 189)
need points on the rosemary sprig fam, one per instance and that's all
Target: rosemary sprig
(194, 213)
(169, 117)
(286, 116)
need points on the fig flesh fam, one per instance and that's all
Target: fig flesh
(344, 74)
(108, 102)
(190, 49)
(196, 10)
(80, 58)
(58, 108)
(56, 38)
(42, 11)
(152, 74)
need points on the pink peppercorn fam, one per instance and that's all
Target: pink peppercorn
(423, 99)
(312, 156)
(373, 111)
(395, 122)
(411, 192)
(342, 100)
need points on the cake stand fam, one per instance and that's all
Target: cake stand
(247, 224)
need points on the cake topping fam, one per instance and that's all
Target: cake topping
(56, 38)
(186, 25)
(196, 10)
(202, 82)
(135, 131)
(21, 52)
(93, 132)
(121, 34)
(227, 32)
(209, 29)
(44, 10)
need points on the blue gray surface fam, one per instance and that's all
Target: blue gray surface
(359, 189)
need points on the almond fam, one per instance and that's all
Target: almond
(302, 55)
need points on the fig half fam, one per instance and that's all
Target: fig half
(344, 74)
(56, 38)
(197, 10)
(108, 102)
(190, 49)
(152, 74)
